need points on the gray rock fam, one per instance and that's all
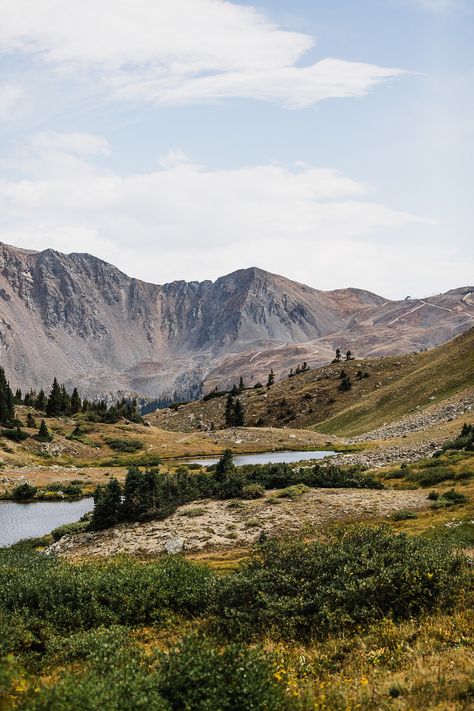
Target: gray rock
(174, 545)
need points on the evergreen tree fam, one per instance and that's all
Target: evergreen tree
(44, 434)
(338, 355)
(54, 406)
(241, 384)
(65, 401)
(75, 402)
(30, 421)
(271, 378)
(238, 414)
(235, 390)
(7, 404)
(18, 397)
(229, 411)
(41, 401)
(140, 493)
(225, 465)
(107, 505)
(346, 383)
(349, 355)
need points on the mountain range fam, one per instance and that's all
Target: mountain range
(84, 321)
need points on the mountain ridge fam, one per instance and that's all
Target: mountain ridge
(83, 320)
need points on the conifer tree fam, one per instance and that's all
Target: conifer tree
(41, 401)
(225, 465)
(30, 421)
(44, 434)
(271, 378)
(7, 405)
(107, 505)
(75, 402)
(18, 397)
(229, 411)
(238, 414)
(55, 400)
(241, 384)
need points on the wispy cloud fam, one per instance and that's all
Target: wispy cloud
(179, 52)
(9, 97)
(438, 5)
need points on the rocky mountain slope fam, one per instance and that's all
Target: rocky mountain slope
(382, 391)
(83, 320)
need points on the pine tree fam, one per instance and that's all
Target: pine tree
(18, 397)
(107, 505)
(225, 465)
(30, 421)
(7, 404)
(241, 384)
(238, 414)
(44, 434)
(338, 355)
(229, 411)
(65, 401)
(55, 400)
(349, 355)
(271, 378)
(75, 402)
(41, 401)
(346, 383)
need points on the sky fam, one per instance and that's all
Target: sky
(330, 141)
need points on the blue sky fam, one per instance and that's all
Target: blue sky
(327, 140)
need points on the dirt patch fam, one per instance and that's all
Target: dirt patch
(213, 525)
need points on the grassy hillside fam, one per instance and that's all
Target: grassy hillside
(392, 387)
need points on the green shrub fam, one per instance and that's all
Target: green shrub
(198, 675)
(449, 498)
(68, 529)
(16, 435)
(125, 445)
(305, 590)
(24, 492)
(293, 492)
(253, 491)
(403, 515)
(124, 592)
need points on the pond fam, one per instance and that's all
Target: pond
(20, 521)
(270, 457)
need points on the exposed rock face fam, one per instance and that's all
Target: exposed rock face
(83, 320)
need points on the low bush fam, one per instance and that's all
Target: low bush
(293, 492)
(24, 492)
(253, 491)
(15, 435)
(403, 515)
(50, 591)
(449, 498)
(68, 529)
(128, 446)
(294, 590)
(197, 675)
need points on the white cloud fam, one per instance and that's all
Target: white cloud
(185, 221)
(83, 144)
(438, 5)
(180, 51)
(9, 97)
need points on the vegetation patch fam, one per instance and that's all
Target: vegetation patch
(125, 445)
